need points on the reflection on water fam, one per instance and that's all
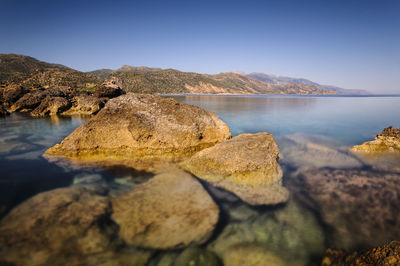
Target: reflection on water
(337, 199)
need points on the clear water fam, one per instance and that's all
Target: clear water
(295, 232)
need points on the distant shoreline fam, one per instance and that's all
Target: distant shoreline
(282, 95)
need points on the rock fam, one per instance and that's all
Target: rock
(290, 232)
(388, 254)
(11, 94)
(251, 255)
(85, 105)
(195, 256)
(109, 89)
(245, 165)
(57, 222)
(51, 106)
(387, 141)
(135, 126)
(171, 210)
(3, 112)
(126, 256)
(360, 207)
(33, 99)
(305, 151)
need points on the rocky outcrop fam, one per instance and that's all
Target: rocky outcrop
(171, 210)
(58, 222)
(388, 254)
(387, 141)
(51, 106)
(245, 165)
(136, 126)
(109, 89)
(10, 94)
(343, 198)
(85, 105)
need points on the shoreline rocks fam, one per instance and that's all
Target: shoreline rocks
(387, 141)
(137, 126)
(245, 165)
(171, 210)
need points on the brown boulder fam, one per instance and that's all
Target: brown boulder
(143, 127)
(171, 210)
(11, 94)
(33, 99)
(58, 222)
(245, 165)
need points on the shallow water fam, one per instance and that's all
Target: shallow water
(312, 132)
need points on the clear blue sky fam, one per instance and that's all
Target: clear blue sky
(352, 44)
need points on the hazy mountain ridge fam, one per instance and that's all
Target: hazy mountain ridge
(286, 80)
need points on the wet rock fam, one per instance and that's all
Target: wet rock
(251, 255)
(360, 207)
(136, 126)
(307, 151)
(245, 165)
(195, 256)
(51, 106)
(171, 210)
(388, 254)
(85, 105)
(387, 141)
(290, 232)
(57, 222)
(122, 257)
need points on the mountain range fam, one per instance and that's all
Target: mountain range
(31, 73)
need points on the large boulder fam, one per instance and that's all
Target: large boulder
(109, 89)
(245, 165)
(85, 105)
(51, 106)
(57, 222)
(171, 210)
(387, 141)
(143, 127)
(361, 208)
(388, 254)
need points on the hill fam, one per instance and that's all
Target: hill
(171, 81)
(288, 80)
(32, 73)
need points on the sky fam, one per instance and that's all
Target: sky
(351, 44)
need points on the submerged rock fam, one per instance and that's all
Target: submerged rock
(360, 207)
(301, 151)
(388, 254)
(55, 223)
(143, 127)
(251, 255)
(51, 106)
(245, 165)
(289, 232)
(171, 210)
(85, 105)
(387, 141)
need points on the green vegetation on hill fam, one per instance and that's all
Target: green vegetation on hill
(32, 73)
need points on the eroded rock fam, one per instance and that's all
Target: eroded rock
(143, 127)
(51, 106)
(58, 222)
(387, 141)
(171, 210)
(245, 165)
(85, 105)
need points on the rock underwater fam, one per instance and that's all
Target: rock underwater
(136, 128)
(245, 165)
(171, 210)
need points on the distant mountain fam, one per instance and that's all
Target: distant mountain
(171, 81)
(30, 72)
(287, 80)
